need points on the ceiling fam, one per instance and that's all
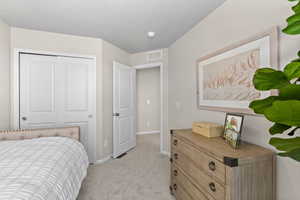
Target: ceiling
(124, 23)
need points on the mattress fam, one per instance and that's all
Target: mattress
(50, 168)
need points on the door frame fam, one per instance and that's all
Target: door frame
(15, 85)
(163, 124)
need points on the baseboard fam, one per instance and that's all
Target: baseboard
(148, 132)
(98, 162)
(166, 153)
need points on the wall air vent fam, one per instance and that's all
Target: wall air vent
(154, 55)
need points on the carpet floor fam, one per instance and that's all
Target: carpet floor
(143, 174)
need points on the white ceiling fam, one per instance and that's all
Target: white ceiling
(124, 23)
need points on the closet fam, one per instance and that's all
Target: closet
(58, 91)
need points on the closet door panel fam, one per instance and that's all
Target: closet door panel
(38, 105)
(77, 88)
(77, 92)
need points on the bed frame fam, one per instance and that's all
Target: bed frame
(71, 132)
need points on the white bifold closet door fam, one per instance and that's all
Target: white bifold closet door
(58, 92)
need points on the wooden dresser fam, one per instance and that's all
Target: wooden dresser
(209, 169)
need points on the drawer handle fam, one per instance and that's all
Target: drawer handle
(171, 160)
(175, 172)
(176, 156)
(212, 187)
(175, 187)
(175, 142)
(212, 166)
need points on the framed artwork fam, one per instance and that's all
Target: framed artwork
(224, 78)
(233, 129)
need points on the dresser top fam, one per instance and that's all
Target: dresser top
(222, 151)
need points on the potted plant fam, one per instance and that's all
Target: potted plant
(284, 109)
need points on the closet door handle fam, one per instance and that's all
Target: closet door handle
(24, 118)
(116, 114)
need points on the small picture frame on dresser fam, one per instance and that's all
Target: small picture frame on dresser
(233, 129)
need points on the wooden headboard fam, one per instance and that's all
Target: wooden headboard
(71, 132)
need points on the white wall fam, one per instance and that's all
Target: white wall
(4, 75)
(235, 20)
(141, 59)
(148, 99)
(60, 43)
(110, 53)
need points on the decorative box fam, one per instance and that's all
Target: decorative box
(208, 129)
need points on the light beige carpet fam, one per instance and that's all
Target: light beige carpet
(143, 174)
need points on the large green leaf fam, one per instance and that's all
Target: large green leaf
(292, 70)
(286, 144)
(267, 78)
(296, 8)
(295, 154)
(293, 19)
(284, 112)
(290, 147)
(278, 128)
(259, 106)
(292, 29)
(290, 92)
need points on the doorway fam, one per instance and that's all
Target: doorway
(124, 100)
(150, 100)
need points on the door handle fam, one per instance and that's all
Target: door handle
(116, 114)
(24, 118)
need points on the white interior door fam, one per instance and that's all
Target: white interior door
(124, 109)
(59, 92)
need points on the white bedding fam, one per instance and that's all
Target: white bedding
(50, 168)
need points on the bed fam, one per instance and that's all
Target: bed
(43, 164)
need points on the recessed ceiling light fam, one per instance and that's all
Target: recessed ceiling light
(151, 34)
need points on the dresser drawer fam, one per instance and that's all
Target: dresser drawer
(185, 184)
(202, 160)
(204, 182)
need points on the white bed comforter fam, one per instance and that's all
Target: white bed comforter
(42, 169)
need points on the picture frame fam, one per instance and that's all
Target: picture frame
(233, 129)
(224, 78)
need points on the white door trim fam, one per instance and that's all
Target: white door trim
(15, 77)
(162, 100)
